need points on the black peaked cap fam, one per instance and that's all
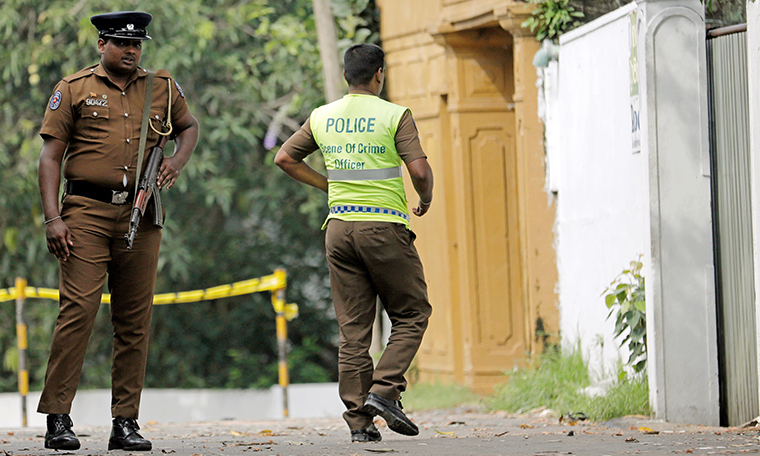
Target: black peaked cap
(123, 24)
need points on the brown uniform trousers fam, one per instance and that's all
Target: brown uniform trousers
(367, 260)
(97, 231)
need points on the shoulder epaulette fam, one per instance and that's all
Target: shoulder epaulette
(80, 74)
(163, 74)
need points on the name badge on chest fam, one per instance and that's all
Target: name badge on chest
(96, 102)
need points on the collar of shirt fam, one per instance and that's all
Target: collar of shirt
(360, 91)
(98, 70)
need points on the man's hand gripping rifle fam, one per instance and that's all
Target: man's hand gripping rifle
(148, 188)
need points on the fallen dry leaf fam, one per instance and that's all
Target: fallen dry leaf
(271, 442)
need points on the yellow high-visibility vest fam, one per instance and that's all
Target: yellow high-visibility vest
(356, 135)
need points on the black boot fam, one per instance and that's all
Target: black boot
(59, 435)
(124, 436)
(368, 434)
(392, 413)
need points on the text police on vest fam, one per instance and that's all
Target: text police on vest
(349, 125)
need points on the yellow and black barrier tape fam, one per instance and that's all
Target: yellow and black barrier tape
(272, 282)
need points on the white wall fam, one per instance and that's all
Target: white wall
(93, 407)
(603, 196)
(615, 203)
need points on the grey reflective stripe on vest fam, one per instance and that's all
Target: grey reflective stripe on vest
(363, 174)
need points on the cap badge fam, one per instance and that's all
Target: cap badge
(130, 26)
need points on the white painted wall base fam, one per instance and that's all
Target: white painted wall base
(93, 407)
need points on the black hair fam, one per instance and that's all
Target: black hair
(361, 62)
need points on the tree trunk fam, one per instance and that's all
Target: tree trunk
(328, 50)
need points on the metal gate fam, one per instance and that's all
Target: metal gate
(732, 223)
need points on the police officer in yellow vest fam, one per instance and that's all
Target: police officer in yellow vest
(370, 249)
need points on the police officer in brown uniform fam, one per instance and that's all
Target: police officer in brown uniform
(92, 129)
(370, 249)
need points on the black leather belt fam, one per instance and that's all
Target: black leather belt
(96, 192)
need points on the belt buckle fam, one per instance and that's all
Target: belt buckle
(119, 198)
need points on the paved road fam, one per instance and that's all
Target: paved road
(442, 433)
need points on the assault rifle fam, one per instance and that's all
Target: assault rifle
(148, 188)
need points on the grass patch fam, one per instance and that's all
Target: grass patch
(551, 380)
(426, 396)
(555, 381)
(629, 396)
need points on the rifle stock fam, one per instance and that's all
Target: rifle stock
(145, 190)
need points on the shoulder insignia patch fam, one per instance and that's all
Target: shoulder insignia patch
(181, 93)
(55, 100)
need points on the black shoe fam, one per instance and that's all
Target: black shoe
(391, 413)
(368, 434)
(124, 436)
(59, 435)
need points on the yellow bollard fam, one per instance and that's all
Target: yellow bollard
(278, 302)
(282, 338)
(23, 373)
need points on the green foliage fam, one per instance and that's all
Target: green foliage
(232, 215)
(626, 298)
(556, 381)
(552, 380)
(551, 18)
(434, 396)
(709, 4)
(629, 396)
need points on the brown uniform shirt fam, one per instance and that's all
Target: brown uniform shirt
(101, 123)
(407, 139)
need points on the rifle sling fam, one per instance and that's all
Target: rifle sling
(144, 126)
